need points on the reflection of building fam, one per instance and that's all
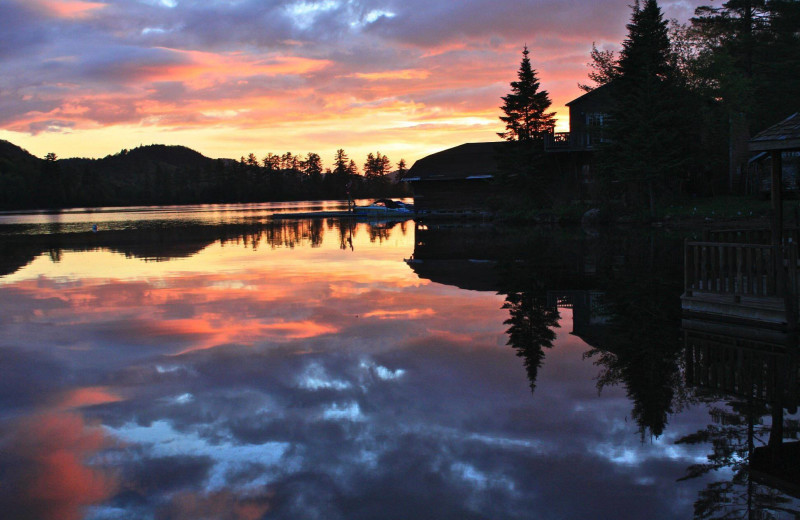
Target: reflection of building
(590, 314)
(481, 257)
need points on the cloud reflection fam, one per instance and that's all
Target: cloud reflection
(312, 382)
(44, 467)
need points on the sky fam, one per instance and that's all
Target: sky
(230, 77)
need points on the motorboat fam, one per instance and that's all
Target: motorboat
(385, 208)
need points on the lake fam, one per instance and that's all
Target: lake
(211, 362)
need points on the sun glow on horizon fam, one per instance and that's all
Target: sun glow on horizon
(296, 75)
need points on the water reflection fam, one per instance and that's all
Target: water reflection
(629, 316)
(756, 371)
(301, 369)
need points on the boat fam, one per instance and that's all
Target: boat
(380, 209)
(384, 208)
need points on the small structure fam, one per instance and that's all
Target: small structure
(750, 276)
(777, 139)
(458, 179)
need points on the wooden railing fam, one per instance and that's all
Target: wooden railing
(740, 269)
(557, 141)
(749, 236)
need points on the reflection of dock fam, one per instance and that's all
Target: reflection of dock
(742, 361)
(741, 282)
(758, 367)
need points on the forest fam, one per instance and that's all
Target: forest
(160, 174)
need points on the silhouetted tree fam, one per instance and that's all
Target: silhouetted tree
(525, 107)
(647, 153)
(603, 68)
(402, 170)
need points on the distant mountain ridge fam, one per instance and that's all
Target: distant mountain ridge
(11, 152)
(171, 155)
(164, 174)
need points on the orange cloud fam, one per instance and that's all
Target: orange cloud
(394, 74)
(400, 314)
(68, 8)
(88, 396)
(47, 472)
(299, 329)
(203, 69)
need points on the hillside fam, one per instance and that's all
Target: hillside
(13, 154)
(161, 174)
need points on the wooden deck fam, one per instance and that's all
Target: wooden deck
(741, 283)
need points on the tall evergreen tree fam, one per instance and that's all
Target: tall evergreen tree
(649, 148)
(525, 107)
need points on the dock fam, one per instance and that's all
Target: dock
(742, 282)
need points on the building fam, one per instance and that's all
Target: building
(588, 123)
(460, 179)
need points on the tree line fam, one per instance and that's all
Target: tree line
(685, 100)
(159, 174)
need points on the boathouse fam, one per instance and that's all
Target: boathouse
(458, 179)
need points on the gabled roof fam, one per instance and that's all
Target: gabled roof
(782, 136)
(601, 92)
(466, 161)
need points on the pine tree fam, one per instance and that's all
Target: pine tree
(525, 108)
(648, 149)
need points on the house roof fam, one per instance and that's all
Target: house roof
(782, 136)
(466, 161)
(603, 91)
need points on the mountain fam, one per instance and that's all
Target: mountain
(11, 153)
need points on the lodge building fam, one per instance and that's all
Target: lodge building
(461, 179)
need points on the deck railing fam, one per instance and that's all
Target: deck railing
(740, 269)
(558, 141)
(749, 236)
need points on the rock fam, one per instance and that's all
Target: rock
(591, 218)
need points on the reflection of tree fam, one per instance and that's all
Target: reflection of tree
(165, 240)
(531, 329)
(346, 233)
(757, 375)
(531, 321)
(734, 435)
(641, 348)
(380, 232)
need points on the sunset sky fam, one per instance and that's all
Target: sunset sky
(230, 77)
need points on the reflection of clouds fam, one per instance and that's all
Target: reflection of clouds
(276, 385)
(43, 467)
(90, 396)
(161, 439)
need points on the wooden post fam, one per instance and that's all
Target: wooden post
(777, 198)
(777, 221)
(687, 288)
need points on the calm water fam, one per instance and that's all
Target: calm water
(209, 362)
